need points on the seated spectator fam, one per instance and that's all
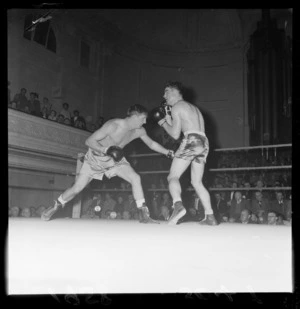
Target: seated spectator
(92, 127)
(52, 115)
(272, 218)
(67, 121)
(33, 212)
(164, 213)
(280, 205)
(195, 212)
(254, 218)
(220, 208)
(36, 106)
(15, 211)
(126, 215)
(26, 213)
(20, 100)
(40, 210)
(80, 123)
(162, 184)
(246, 217)
(259, 204)
(108, 205)
(89, 213)
(166, 200)
(237, 206)
(130, 206)
(65, 111)
(280, 220)
(262, 217)
(46, 107)
(75, 117)
(60, 118)
(119, 207)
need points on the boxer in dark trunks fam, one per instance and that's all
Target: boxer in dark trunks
(193, 150)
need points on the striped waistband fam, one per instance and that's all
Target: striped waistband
(186, 133)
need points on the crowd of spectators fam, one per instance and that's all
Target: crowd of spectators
(44, 109)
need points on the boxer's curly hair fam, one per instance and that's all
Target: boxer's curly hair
(175, 85)
(137, 109)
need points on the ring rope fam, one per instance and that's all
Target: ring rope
(218, 149)
(250, 168)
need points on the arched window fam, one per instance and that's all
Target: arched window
(42, 33)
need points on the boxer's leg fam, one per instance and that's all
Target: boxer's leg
(81, 182)
(127, 173)
(178, 167)
(197, 170)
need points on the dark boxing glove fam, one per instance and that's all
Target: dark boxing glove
(158, 114)
(115, 152)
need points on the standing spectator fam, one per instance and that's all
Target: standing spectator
(65, 111)
(21, 100)
(237, 206)
(26, 213)
(280, 205)
(52, 115)
(259, 205)
(75, 117)
(36, 106)
(30, 106)
(220, 208)
(46, 107)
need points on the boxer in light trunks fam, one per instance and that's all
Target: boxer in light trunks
(105, 157)
(193, 150)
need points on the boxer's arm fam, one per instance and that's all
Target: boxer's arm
(94, 141)
(151, 143)
(173, 130)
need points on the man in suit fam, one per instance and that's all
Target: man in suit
(220, 208)
(260, 205)
(238, 204)
(280, 205)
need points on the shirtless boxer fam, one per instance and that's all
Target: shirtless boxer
(105, 157)
(193, 150)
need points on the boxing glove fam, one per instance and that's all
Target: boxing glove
(167, 108)
(115, 152)
(158, 114)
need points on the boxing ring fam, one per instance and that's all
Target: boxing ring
(86, 256)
